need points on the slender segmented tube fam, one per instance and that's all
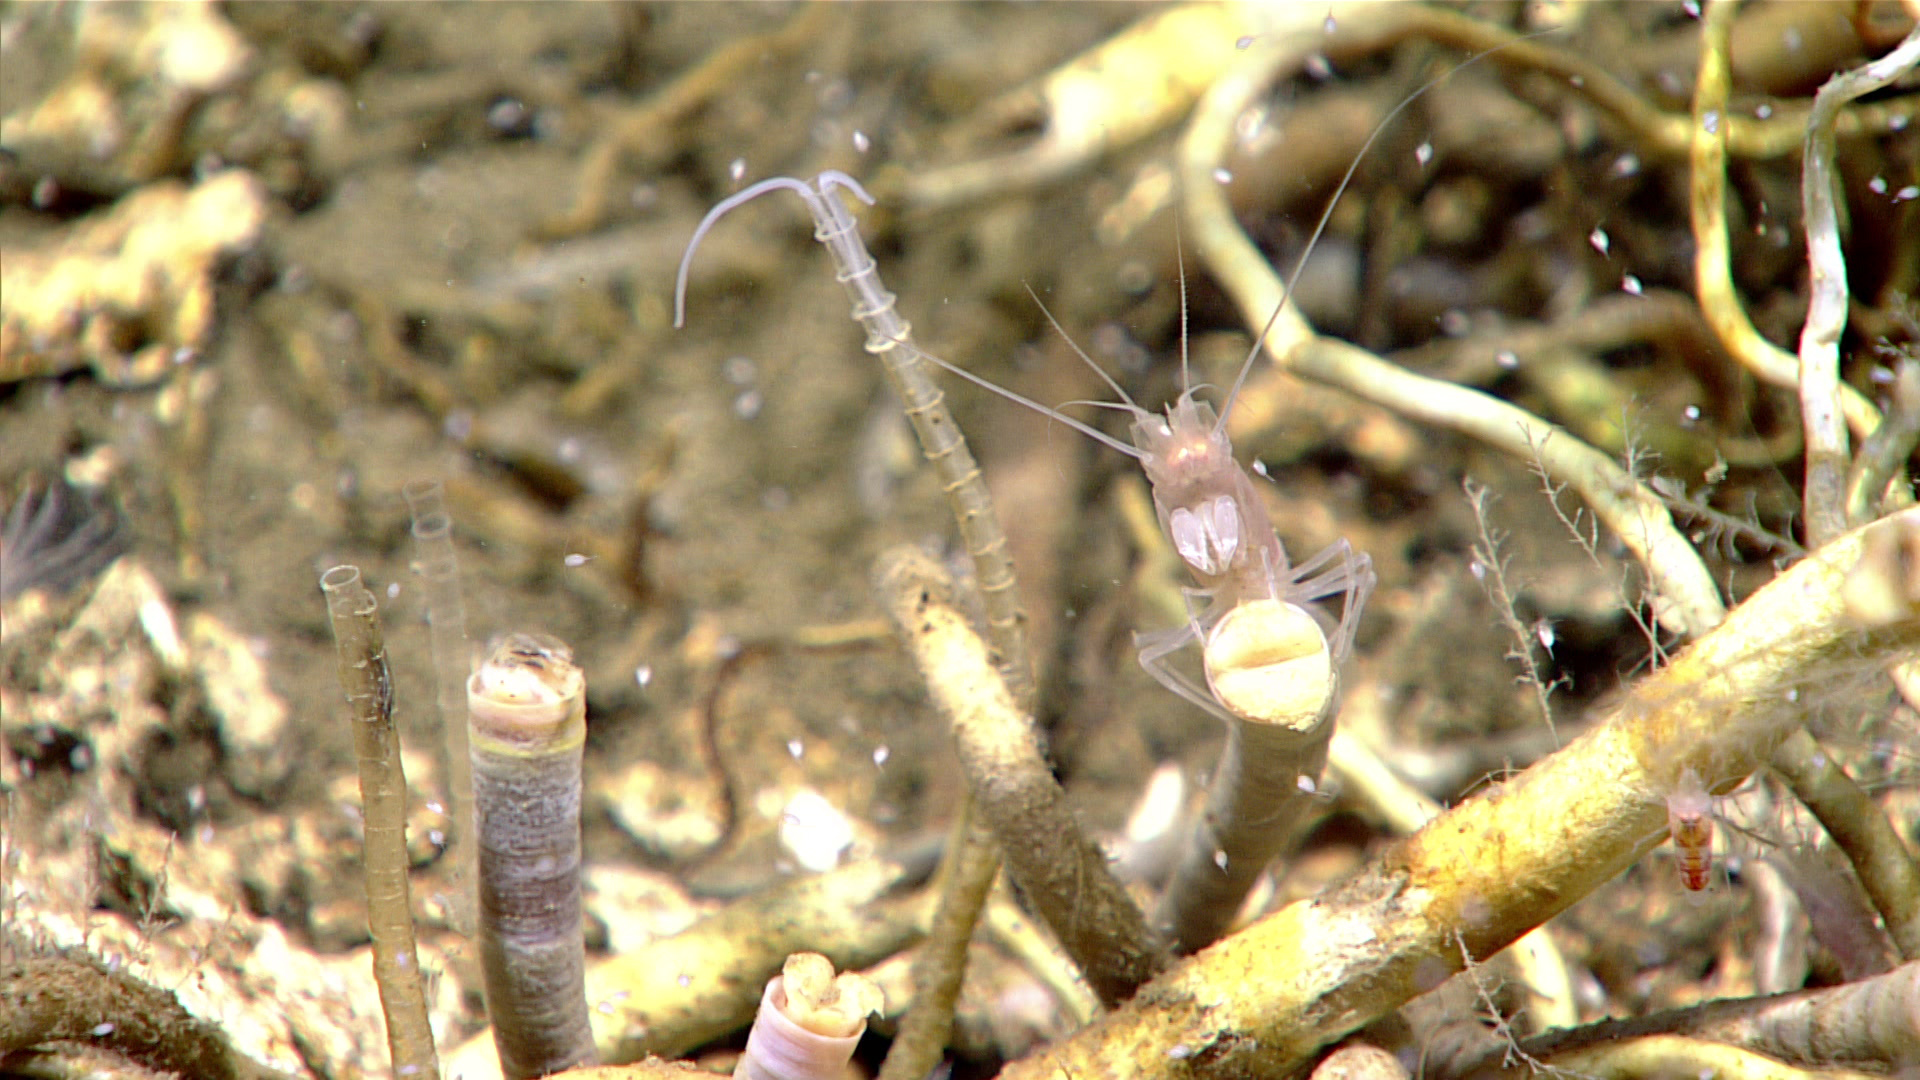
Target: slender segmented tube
(526, 712)
(439, 569)
(383, 795)
(809, 1022)
(890, 338)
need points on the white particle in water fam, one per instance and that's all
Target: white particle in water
(796, 748)
(738, 169)
(101, 1031)
(1710, 121)
(880, 756)
(1600, 240)
(643, 675)
(814, 831)
(1507, 359)
(1763, 110)
(1877, 185)
(1631, 285)
(1423, 154)
(1222, 176)
(860, 141)
(575, 560)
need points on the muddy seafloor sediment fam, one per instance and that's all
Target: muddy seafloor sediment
(468, 223)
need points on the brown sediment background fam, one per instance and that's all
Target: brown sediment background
(269, 263)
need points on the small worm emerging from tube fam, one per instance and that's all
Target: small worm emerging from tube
(809, 1022)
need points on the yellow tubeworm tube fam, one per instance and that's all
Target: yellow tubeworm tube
(383, 796)
(809, 1022)
(527, 725)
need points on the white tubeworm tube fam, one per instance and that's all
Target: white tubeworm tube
(439, 568)
(809, 1022)
(526, 713)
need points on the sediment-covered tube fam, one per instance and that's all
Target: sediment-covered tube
(526, 715)
(368, 684)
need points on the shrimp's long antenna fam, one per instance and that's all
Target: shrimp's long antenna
(1088, 430)
(1130, 404)
(1180, 259)
(1286, 292)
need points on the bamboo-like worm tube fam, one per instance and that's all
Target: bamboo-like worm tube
(809, 1022)
(383, 795)
(526, 710)
(439, 569)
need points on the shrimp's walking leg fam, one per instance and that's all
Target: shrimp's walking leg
(1156, 656)
(1350, 575)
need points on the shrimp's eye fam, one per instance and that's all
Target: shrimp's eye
(1208, 536)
